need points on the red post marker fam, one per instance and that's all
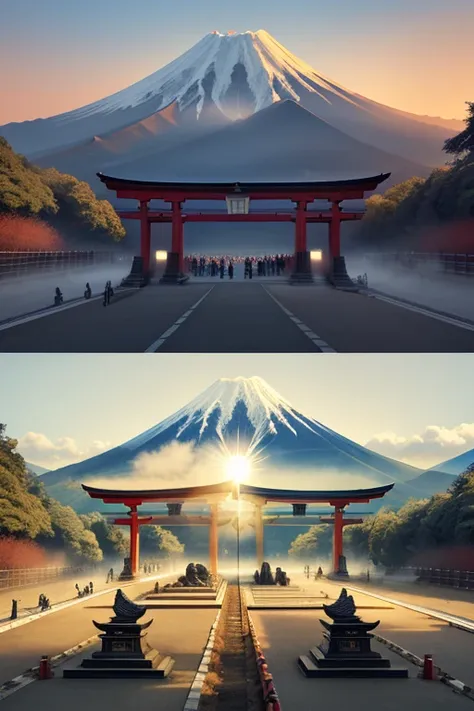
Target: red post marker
(428, 668)
(45, 671)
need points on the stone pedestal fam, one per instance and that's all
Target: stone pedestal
(339, 277)
(346, 652)
(136, 278)
(302, 273)
(126, 573)
(124, 654)
(172, 273)
(341, 572)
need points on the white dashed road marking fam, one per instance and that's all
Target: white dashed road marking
(159, 341)
(317, 340)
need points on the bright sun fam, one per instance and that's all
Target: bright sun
(238, 468)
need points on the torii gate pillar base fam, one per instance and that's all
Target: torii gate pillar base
(302, 273)
(338, 275)
(173, 273)
(136, 277)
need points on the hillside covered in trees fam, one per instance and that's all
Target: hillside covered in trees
(59, 203)
(33, 525)
(413, 213)
(432, 532)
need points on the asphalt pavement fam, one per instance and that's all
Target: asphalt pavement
(239, 317)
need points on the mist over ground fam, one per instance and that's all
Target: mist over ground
(30, 292)
(424, 284)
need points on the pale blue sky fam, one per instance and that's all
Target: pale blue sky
(72, 401)
(62, 54)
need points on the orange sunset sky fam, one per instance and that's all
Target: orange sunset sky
(415, 55)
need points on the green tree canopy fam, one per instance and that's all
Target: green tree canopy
(464, 142)
(70, 534)
(22, 514)
(110, 538)
(316, 542)
(22, 189)
(77, 201)
(158, 541)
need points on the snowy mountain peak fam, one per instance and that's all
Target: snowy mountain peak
(266, 411)
(240, 73)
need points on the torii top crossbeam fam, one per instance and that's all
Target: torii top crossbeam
(214, 492)
(333, 190)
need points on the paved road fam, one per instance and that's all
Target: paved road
(36, 291)
(239, 317)
(181, 634)
(287, 634)
(452, 649)
(22, 647)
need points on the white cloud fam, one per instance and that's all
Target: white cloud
(427, 448)
(37, 448)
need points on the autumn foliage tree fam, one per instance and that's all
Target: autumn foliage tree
(29, 191)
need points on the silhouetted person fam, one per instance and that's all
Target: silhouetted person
(222, 268)
(46, 604)
(230, 270)
(14, 613)
(91, 588)
(250, 272)
(58, 296)
(88, 291)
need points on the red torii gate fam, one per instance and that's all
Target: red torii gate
(212, 494)
(301, 194)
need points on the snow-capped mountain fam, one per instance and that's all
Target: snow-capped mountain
(226, 77)
(242, 416)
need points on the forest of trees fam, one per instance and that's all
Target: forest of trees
(33, 524)
(447, 195)
(50, 198)
(404, 537)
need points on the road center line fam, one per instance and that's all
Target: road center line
(317, 341)
(172, 329)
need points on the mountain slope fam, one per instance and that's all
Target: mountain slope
(456, 465)
(245, 416)
(283, 140)
(36, 469)
(233, 76)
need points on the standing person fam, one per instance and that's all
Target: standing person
(246, 267)
(194, 266)
(58, 296)
(222, 267)
(250, 269)
(230, 270)
(91, 587)
(88, 291)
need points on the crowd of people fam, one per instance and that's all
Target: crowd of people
(203, 265)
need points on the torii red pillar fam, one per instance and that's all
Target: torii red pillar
(302, 262)
(335, 232)
(145, 237)
(177, 235)
(175, 261)
(338, 539)
(134, 522)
